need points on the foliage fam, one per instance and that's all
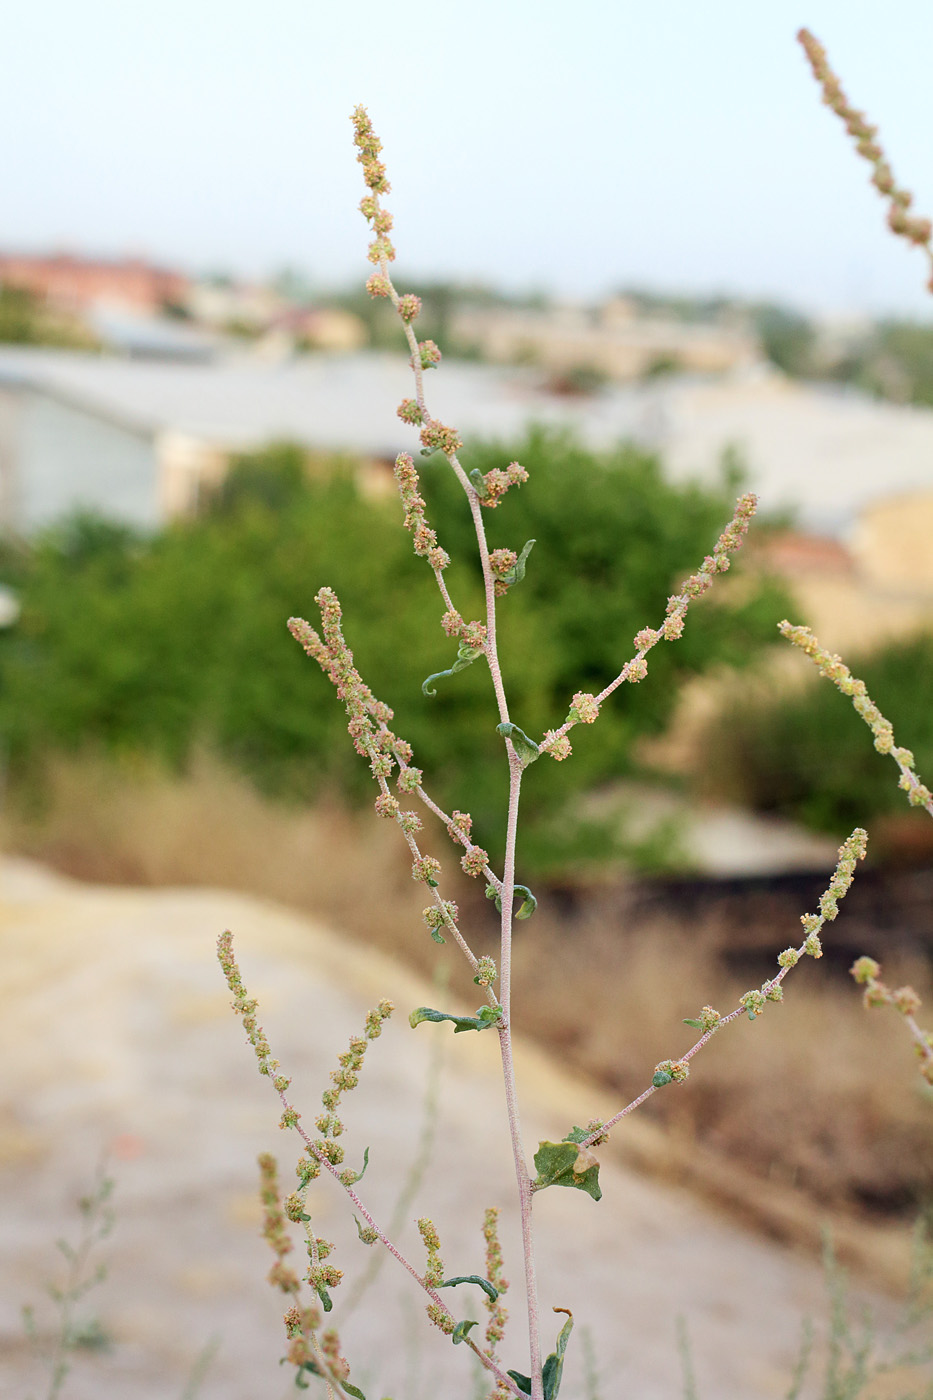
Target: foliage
(802, 753)
(181, 639)
(24, 320)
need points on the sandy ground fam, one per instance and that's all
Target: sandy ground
(116, 1033)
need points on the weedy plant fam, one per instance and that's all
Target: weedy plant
(75, 1333)
(572, 1161)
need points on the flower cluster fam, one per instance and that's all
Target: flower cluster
(369, 148)
(409, 412)
(904, 999)
(475, 861)
(437, 437)
(833, 667)
(444, 914)
(425, 540)
(274, 1231)
(498, 1313)
(491, 486)
(343, 1080)
(916, 231)
(434, 1273)
(584, 708)
(245, 1007)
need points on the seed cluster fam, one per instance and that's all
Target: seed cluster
(832, 666)
(917, 231)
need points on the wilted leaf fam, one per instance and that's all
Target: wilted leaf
(553, 1368)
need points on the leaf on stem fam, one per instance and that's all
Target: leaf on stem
(358, 1176)
(462, 1328)
(484, 1284)
(486, 1017)
(567, 1164)
(478, 482)
(526, 749)
(554, 1365)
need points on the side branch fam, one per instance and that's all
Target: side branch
(753, 1003)
(832, 666)
(584, 707)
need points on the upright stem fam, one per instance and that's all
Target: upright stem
(522, 1177)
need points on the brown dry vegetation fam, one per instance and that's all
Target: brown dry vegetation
(818, 1094)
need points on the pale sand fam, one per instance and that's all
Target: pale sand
(115, 1025)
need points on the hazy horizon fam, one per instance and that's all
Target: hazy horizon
(680, 152)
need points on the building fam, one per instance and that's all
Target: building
(77, 284)
(141, 440)
(614, 341)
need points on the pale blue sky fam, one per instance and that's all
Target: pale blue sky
(576, 145)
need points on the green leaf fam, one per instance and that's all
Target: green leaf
(484, 1284)
(488, 1016)
(360, 1174)
(526, 749)
(661, 1078)
(517, 571)
(461, 1330)
(554, 1366)
(352, 1390)
(523, 1382)
(693, 1021)
(557, 1162)
(478, 482)
(327, 1301)
(465, 657)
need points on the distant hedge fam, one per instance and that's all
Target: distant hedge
(162, 644)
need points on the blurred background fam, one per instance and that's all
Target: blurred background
(659, 275)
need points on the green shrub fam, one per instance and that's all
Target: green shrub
(158, 645)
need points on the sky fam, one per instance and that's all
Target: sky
(576, 147)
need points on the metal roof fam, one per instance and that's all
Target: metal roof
(827, 451)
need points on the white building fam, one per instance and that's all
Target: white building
(139, 440)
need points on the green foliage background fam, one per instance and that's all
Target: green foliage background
(806, 754)
(159, 645)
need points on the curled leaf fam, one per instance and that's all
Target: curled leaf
(461, 1330)
(529, 903)
(660, 1078)
(523, 1382)
(526, 748)
(483, 1283)
(466, 655)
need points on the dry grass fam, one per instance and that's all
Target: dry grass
(817, 1094)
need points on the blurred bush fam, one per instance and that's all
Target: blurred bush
(167, 644)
